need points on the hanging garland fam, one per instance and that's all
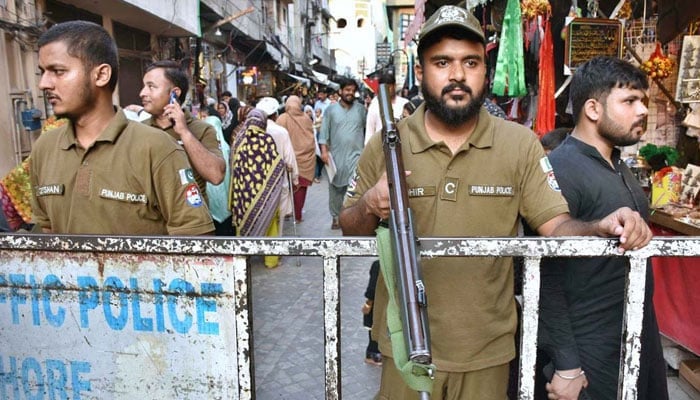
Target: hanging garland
(658, 65)
(510, 69)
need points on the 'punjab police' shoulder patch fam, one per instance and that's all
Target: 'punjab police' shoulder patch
(193, 197)
(352, 186)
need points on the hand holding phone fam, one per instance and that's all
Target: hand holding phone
(173, 100)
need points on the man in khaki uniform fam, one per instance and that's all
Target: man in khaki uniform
(100, 173)
(165, 86)
(471, 174)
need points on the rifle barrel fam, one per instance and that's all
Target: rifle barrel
(412, 297)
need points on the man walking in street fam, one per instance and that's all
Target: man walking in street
(582, 299)
(471, 174)
(322, 102)
(165, 87)
(341, 140)
(374, 120)
(101, 173)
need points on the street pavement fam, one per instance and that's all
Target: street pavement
(288, 339)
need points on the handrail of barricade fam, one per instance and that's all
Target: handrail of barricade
(332, 249)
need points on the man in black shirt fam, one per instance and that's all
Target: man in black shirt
(582, 298)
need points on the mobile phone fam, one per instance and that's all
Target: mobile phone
(173, 100)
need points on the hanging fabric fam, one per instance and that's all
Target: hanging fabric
(414, 26)
(546, 107)
(510, 69)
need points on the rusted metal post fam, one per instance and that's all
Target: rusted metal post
(632, 328)
(244, 329)
(331, 325)
(528, 336)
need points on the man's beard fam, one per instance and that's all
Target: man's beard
(88, 99)
(616, 134)
(453, 116)
(347, 99)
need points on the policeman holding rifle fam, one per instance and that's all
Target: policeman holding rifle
(468, 174)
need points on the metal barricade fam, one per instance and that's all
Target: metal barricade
(164, 299)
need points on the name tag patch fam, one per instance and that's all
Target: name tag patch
(491, 190)
(56, 189)
(424, 191)
(123, 196)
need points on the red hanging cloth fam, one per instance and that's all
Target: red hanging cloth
(546, 106)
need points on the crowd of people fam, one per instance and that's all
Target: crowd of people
(242, 169)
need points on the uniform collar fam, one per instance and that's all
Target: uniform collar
(110, 134)
(482, 137)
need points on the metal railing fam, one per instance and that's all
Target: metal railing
(332, 250)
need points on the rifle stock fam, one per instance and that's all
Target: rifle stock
(412, 296)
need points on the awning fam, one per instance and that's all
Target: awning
(674, 17)
(300, 79)
(319, 77)
(274, 52)
(180, 18)
(322, 79)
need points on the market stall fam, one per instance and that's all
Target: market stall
(676, 294)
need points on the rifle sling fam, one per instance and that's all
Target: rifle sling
(417, 376)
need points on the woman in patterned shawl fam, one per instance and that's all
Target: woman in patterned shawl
(257, 171)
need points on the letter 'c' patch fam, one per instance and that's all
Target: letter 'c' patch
(449, 189)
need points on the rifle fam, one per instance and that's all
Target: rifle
(412, 299)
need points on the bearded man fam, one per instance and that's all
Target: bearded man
(583, 298)
(471, 174)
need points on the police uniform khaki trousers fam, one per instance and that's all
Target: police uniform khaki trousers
(484, 384)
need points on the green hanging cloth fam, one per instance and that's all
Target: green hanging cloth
(510, 68)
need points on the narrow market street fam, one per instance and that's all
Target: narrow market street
(288, 320)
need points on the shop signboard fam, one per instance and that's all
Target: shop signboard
(383, 53)
(590, 37)
(116, 326)
(248, 75)
(265, 84)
